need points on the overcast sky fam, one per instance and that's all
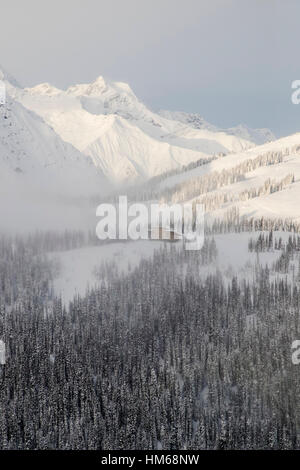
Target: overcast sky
(231, 61)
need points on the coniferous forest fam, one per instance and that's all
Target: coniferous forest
(155, 358)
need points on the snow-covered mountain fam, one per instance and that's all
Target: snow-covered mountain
(257, 136)
(109, 130)
(105, 121)
(261, 181)
(71, 142)
(33, 155)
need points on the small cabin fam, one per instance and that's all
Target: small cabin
(160, 233)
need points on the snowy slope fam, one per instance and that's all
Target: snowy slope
(125, 151)
(256, 193)
(257, 136)
(105, 120)
(32, 154)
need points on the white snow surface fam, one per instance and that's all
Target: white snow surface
(31, 150)
(258, 136)
(77, 267)
(284, 204)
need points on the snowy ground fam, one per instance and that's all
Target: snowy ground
(77, 267)
(279, 204)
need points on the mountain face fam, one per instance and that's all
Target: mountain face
(263, 181)
(109, 130)
(124, 139)
(33, 155)
(257, 136)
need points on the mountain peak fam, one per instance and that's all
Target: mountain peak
(101, 86)
(99, 81)
(98, 86)
(44, 89)
(95, 88)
